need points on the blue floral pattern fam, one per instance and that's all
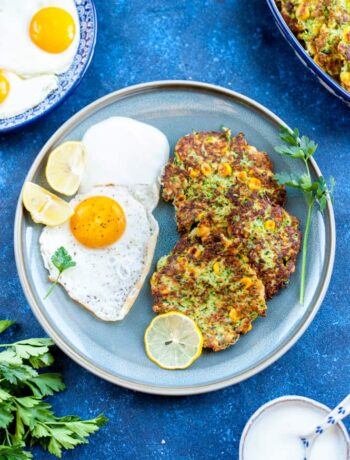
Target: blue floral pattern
(72, 77)
(334, 417)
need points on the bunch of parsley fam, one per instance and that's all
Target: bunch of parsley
(25, 419)
(316, 192)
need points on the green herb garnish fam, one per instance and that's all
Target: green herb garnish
(61, 260)
(25, 419)
(316, 192)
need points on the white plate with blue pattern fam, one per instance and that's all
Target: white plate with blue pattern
(68, 80)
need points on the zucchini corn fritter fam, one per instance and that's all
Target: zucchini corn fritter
(205, 167)
(229, 211)
(213, 285)
(323, 26)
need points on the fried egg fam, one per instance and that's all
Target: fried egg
(124, 151)
(18, 95)
(38, 36)
(111, 237)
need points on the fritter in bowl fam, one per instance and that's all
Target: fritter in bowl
(323, 27)
(213, 285)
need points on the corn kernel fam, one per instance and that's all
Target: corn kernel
(270, 224)
(254, 183)
(346, 34)
(203, 231)
(196, 252)
(193, 172)
(345, 78)
(164, 290)
(248, 329)
(242, 176)
(217, 268)
(247, 282)
(303, 12)
(225, 169)
(182, 261)
(226, 241)
(206, 169)
(234, 315)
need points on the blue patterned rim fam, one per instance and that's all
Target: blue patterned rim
(69, 80)
(328, 82)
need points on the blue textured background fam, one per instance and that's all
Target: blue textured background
(234, 44)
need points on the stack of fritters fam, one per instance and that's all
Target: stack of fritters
(227, 201)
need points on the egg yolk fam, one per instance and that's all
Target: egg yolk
(98, 221)
(4, 87)
(52, 29)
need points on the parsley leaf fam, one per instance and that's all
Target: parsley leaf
(46, 384)
(4, 324)
(25, 419)
(14, 452)
(316, 192)
(31, 347)
(44, 360)
(62, 261)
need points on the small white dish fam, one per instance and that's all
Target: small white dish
(263, 416)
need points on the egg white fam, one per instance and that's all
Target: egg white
(124, 151)
(17, 51)
(106, 280)
(26, 94)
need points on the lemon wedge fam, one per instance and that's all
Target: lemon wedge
(65, 167)
(173, 341)
(45, 207)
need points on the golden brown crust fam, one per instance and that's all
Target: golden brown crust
(213, 285)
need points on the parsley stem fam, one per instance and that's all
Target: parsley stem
(305, 242)
(8, 437)
(52, 287)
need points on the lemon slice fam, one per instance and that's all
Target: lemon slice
(173, 341)
(45, 207)
(65, 167)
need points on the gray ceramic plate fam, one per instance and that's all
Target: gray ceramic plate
(115, 351)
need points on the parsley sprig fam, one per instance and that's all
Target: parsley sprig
(316, 192)
(62, 261)
(25, 419)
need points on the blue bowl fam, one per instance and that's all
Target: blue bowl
(68, 80)
(332, 85)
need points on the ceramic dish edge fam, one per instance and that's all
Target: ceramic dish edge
(279, 400)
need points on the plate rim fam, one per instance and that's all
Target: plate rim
(17, 125)
(50, 330)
